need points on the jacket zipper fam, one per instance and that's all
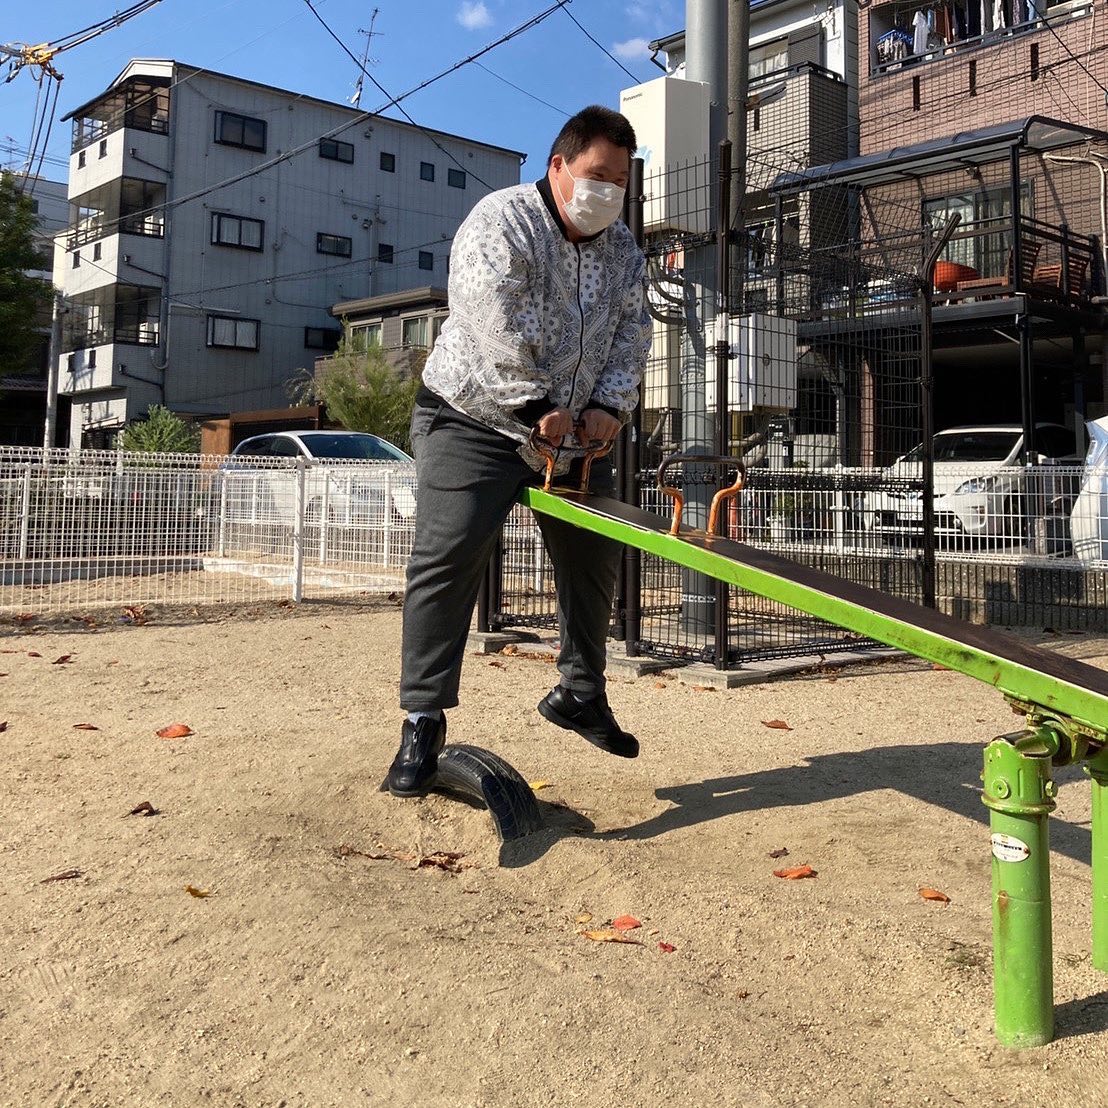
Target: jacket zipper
(581, 350)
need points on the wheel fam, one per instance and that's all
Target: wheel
(479, 775)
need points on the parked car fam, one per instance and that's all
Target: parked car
(352, 478)
(982, 483)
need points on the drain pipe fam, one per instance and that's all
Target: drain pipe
(1097, 161)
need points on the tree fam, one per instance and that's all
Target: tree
(162, 432)
(24, 300)
(362, 392)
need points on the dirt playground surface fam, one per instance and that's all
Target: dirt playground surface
(327, 967)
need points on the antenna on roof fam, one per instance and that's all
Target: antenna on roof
(356, 99)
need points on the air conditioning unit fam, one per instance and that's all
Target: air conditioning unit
(762, 368)
(670, 117)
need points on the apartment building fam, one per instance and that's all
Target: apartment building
(23, 387)
(214, 221)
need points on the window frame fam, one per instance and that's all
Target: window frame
(391, 167)
(386, 253)
(452, 176)
(325, 343)
(214, 317)
(339, 147)
(430, 257)
(222, 117)
(217, 224)
(424, 169)
(320, 236)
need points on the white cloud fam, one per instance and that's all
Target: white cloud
(632, 50)
(473, 15)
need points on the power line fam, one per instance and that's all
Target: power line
(538, 99)
(597, 44)
(359, 118)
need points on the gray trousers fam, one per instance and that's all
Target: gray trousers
(469, 477)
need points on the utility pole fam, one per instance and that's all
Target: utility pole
(738, 76)
(55, 352)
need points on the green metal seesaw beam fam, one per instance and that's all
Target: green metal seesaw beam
(1065, 701)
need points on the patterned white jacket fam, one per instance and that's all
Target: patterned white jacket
(536, 321)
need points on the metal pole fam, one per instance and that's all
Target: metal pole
(632, 557)
(1019, 793)
(738, 77)
(1097, 769)
(298, 532)
(49, 433)
(723, 371)
(25, 514)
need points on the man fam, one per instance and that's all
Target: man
(548, 331)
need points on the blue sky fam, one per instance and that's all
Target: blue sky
(280, 43)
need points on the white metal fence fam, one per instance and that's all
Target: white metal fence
(99, 528)
(85, 529)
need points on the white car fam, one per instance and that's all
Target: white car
(352, 478)
(981, 482)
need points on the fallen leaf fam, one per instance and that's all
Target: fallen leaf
(62, 659)
(940, 666)
(510, 649)
(666, 948)
(536, 785)
(448, 860)
(65, 875)
(610, 935)
(934, 894)
(3, 725)
(135, 613)
(11, 651)
(144, 809)
(776, 724)
(192, 890)
(33, 654)
(742, 994)
(584, 917)
(795, 873)
(660, 684)
(496, 663)
(85, 727)
(25, 617)
(703, 688)
(780, 852)
(175, 731)
(626, 923)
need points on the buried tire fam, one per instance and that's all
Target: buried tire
(482, 777)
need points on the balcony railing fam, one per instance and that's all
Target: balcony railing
(89, 230)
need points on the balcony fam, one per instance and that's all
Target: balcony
(118, 313)
(126, 205)
(139, 103)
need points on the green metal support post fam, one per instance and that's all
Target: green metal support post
(1097, 769)
(1019, 793)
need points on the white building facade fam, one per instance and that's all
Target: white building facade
(212, 226)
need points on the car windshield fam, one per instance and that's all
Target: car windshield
(366, 448)
(975, 446)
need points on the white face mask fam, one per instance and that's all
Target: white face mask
(594, 205)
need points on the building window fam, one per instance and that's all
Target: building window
(414, 331)
(97, 251)
(334, 244)
(103, 148)
(81, 159)
(426, 259)
(770, 57)
(986, 242)
(388, 162)
(71, 363)
(336, 151)
(233, 332)
(426, 171)
(237, 230)
(76, 259)
(365, 335)
(91, 360)
(384, 252)
(240, 130)
(322, 338)
(456, 178)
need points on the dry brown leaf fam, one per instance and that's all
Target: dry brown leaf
(496, 663)
(25, 617)
(584, 917)
(776, 724)
(3, 725)
(780, 852)
(704, 688)
(175, 731)
(660, 685)
(795, 873)
(510, 649)
(610, 935)
(666, 948)
(939, 666)
(85, 727)
(33, 654)
(934, 894)
(626, 923)
(62, 659)
(65, 875)
(449, 860)
(192, 890)
(144, 809)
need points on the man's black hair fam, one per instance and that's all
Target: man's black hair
(589, 124)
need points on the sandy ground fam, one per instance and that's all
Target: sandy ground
(316, 976)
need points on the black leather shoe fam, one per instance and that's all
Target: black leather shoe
(591, 719)
(413, 770)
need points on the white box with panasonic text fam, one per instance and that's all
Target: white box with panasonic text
(762, 368)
